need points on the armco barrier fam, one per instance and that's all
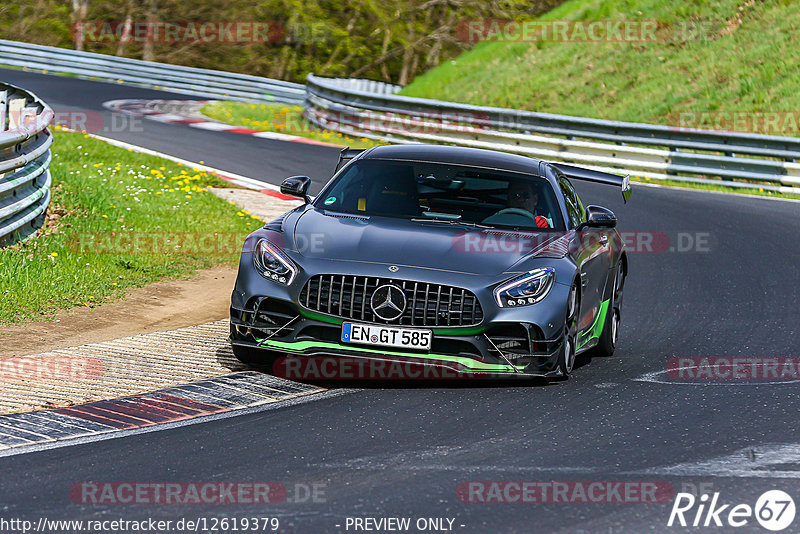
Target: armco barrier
(660, 152)
(174, 78)
(372, 109)
(24, 163)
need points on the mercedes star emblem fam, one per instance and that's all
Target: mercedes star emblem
(388, 302)
(394, 268)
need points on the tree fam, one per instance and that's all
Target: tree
(79, 10)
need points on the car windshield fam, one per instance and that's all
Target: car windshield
(443, 192)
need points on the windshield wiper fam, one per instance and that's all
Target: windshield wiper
(454, 220)
(441, 216)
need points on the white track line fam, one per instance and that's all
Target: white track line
(773, 460)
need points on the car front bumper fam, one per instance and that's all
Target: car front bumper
(503, 346)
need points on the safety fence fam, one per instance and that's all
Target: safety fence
(658, 152)
(24, 163)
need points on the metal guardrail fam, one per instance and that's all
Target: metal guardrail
(173, 78)
(372, 109)
(24, 163)
(659, 152)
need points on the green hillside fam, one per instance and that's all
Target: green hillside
(724, 57)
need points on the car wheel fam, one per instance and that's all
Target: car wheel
(566, 355)
(608, 339)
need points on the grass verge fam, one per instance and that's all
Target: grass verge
(721, 188)
(117, 219)
(280, 118)
(713, 56)
(718, 64)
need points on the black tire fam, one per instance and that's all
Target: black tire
(608, 338)
(566, 354)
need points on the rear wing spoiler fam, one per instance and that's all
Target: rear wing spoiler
(579, 173)
(346, 155)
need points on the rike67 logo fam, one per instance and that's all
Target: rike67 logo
(774, 510)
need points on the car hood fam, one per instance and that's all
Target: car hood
(427, 244)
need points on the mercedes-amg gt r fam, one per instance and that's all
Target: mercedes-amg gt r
(482, 262)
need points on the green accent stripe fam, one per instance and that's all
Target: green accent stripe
(320, 317)
(596, 329)
(469, 363)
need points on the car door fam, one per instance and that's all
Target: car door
(591, 251)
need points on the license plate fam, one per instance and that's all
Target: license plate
(387, 336)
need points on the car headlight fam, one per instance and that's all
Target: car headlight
(272, 263)
(525, 289)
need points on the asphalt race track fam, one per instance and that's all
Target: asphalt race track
(402, 450)
(264, 159)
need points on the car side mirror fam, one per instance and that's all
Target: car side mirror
(297, 186)
(598, 217)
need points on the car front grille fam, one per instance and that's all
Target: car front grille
(427, 304)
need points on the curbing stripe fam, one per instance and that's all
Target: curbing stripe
(273, 382)
(226, 393)
(139, 410)
(60, 421)
(142, 107)
(38, 428)
(196, 393)
(128, 367)
(170, 407)
(174, 400)
(7, 441)
(99, 416)
(243, 398)
(7, 432)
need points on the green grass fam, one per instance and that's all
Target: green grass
(708, 56)
(714, 64)
(281, 118)
(721, 188)
(103, 199)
